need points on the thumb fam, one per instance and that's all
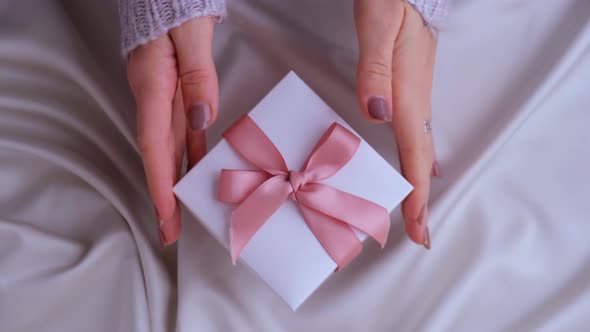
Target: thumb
(198, 81)
(377, 25)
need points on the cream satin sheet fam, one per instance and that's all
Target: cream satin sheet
(509, 219)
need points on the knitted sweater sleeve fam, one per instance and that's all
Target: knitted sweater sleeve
(145, 20)
(433, 11)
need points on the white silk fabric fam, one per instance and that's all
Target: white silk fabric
(509, 218)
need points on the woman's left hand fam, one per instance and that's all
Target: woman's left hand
(174, 81)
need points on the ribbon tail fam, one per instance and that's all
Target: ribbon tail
(336, 237)
(254, 211)
(334, 149)
(370, 218)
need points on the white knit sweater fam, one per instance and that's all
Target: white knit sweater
(145, 20)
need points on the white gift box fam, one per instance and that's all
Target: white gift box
(284, 252)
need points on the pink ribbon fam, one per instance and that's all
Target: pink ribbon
(328, 212)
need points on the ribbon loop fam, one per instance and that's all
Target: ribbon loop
(255, 146)
(329, 212)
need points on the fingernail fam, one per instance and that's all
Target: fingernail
(426, 239)
(162, 239)
(160, 223)
(199, 116)
(420, 219)
(378, 109)
(436, 169)
(158, 218)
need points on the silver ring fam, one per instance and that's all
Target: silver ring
(427, 126)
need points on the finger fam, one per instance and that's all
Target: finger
(152, 76)
(416, 158)
(179, 130)
(412, 73)
(190, 140)
(377, 25)
(198, 79)
(416, 168)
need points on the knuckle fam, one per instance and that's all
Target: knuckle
(378, 69)
(196, 76)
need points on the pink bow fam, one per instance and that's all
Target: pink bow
(328, 212)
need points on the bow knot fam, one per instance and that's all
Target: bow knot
(297, 180)
(331, 214)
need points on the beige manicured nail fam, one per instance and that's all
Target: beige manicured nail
(426, 239)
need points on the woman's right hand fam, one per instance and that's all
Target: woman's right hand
(394, 84)
(174, 81)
